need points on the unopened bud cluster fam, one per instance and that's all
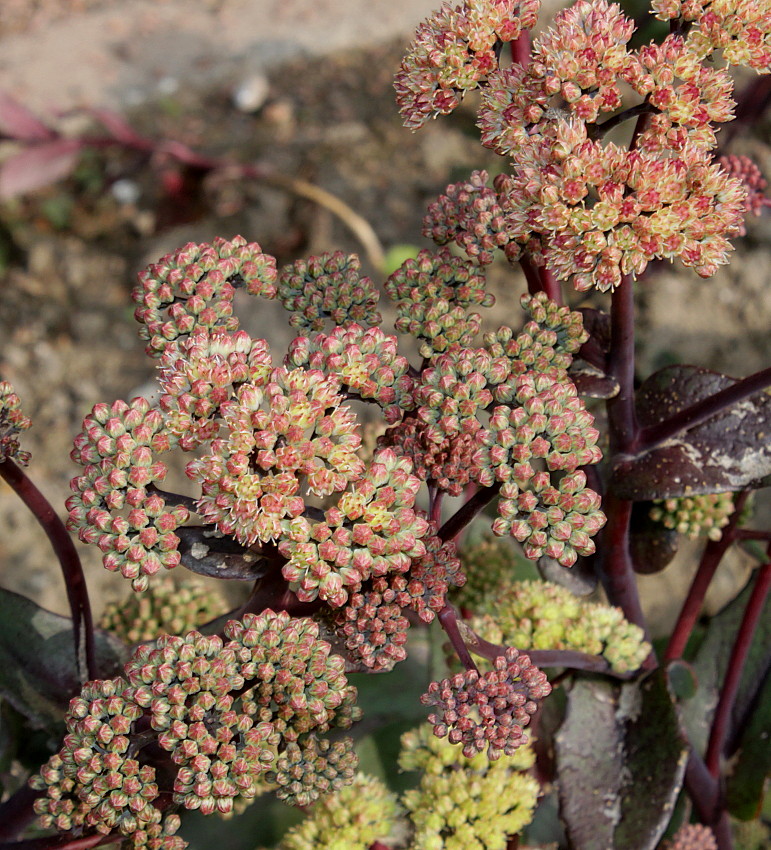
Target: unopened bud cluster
(12, 423)
(231, 714)
(695, 515)
(488, 710)
(329, 286)
(691, 836)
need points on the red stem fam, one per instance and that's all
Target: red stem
(616, 570)
(710, 560)
(64, 548)
(652, 436)
(735, 668)
(448, 617)
(550, 285)
(468, 510)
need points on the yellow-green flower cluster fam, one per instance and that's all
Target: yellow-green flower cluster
(12, 422)
(194, 288)
(352, 819)
(164, 608)
(541, 615)
(328, 286)
(465, 803)
(695, 515)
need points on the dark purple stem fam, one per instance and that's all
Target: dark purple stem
(702, 788)
(550, 285)
(652, 436)
(531, 274)
(710, 560)
(64, 548)
(463, 516)
(567, 658)
(616, 570)
(448, 617)
(735, 668)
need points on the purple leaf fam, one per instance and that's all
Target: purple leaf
(219, 557)
(17, 122)
(38, 669)
(38, 166)
(729, 451)
(620, 764)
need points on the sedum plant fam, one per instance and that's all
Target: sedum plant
(350, 546)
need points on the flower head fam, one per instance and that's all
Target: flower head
(194, 287)
(113, 504)
(432, 293)
(12, 423)
(454, 50)
(328, 286)
(293, 432)
(488, 710)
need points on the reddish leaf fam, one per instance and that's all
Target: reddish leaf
(730, 451)
(651, 545)
(38, 166)
(17, 122)
(118, 128)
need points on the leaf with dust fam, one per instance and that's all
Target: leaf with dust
(729, 451)
(620, 764)
(38, 673)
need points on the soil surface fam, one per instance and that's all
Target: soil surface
(70, 253)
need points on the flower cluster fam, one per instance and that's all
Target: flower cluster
(328, 286)
(313, 768)
(194, 288)
(231, 714)
(748, 173)
(488, 563)
(165, 608)
(466, 802)
(372, 622)
(294, 429)
(431, 294)
(594, 212)
(558, 522)
(541, 615)
(695, 515)
(12, 423)
(446, 464)
(354, 818)
(488, 710)
(589, 210)
(202, 372)
(371, 531)
(741, 29)
(114, 504)
(692, 836)
(95, 781)
(454, 50)
(366, 362)
(470, 215)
